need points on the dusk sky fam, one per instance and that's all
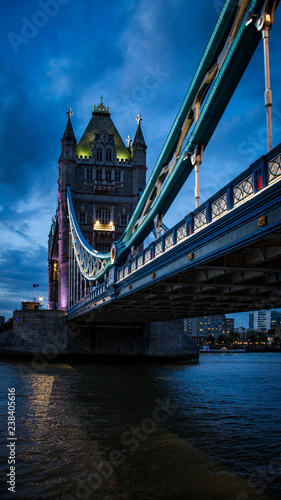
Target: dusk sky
(141, 55)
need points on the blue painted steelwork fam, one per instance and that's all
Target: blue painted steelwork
(194, 229)
(224, 61)
(92, 264)
(241, 189)
(231, 59)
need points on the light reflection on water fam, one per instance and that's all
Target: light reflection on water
(73, 422)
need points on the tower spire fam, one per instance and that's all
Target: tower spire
(68, 142)
(139, 139)
(69, 113)
(101, 108)
(139, 146)
(139, 119)
(68, 133)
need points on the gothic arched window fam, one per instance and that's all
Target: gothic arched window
(99, 154)
(103, 215)
(123, 219)
(89, 174)
(99, 174)
(108, 175)
(108, 155)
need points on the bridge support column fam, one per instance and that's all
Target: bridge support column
(49, 336)
(168, 340)
(196, 160)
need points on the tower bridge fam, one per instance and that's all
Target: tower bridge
(108, 208)
(224, 257)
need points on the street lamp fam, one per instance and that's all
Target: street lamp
(34, 285)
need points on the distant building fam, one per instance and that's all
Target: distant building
(260, 321)
(275, 319)
(199, 329)
(2, 320)
(278, 331)
(251, 321)
(229, 325)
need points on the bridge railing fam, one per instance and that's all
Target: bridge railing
(95, 294)
(262, 173)
(259, 176)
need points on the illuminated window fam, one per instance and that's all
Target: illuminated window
(103, 215)
(99, 154)
(108, 155)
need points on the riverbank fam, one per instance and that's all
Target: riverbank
(247, 349)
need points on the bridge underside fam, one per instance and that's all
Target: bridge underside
(233, 265)
(244, 280)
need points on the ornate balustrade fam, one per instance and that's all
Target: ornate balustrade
(250, 183)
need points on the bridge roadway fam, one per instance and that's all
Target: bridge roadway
(225, 257)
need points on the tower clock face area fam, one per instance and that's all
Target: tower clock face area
(105, 175)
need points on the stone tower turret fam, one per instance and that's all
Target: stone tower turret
(66, 177)
(139, 160)
(139, 146)
(68, 141)
(105, 179)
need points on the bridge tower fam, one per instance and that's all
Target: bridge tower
(106, 178)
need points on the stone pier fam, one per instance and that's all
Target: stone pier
(50, 335)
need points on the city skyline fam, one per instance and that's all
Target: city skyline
(59, 55)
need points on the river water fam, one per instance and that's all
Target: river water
(199, 432)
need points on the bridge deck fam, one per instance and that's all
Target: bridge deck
(223, 258)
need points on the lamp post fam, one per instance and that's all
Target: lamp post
(33, 286)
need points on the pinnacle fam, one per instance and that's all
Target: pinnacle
(139, 139)
(68, 133)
